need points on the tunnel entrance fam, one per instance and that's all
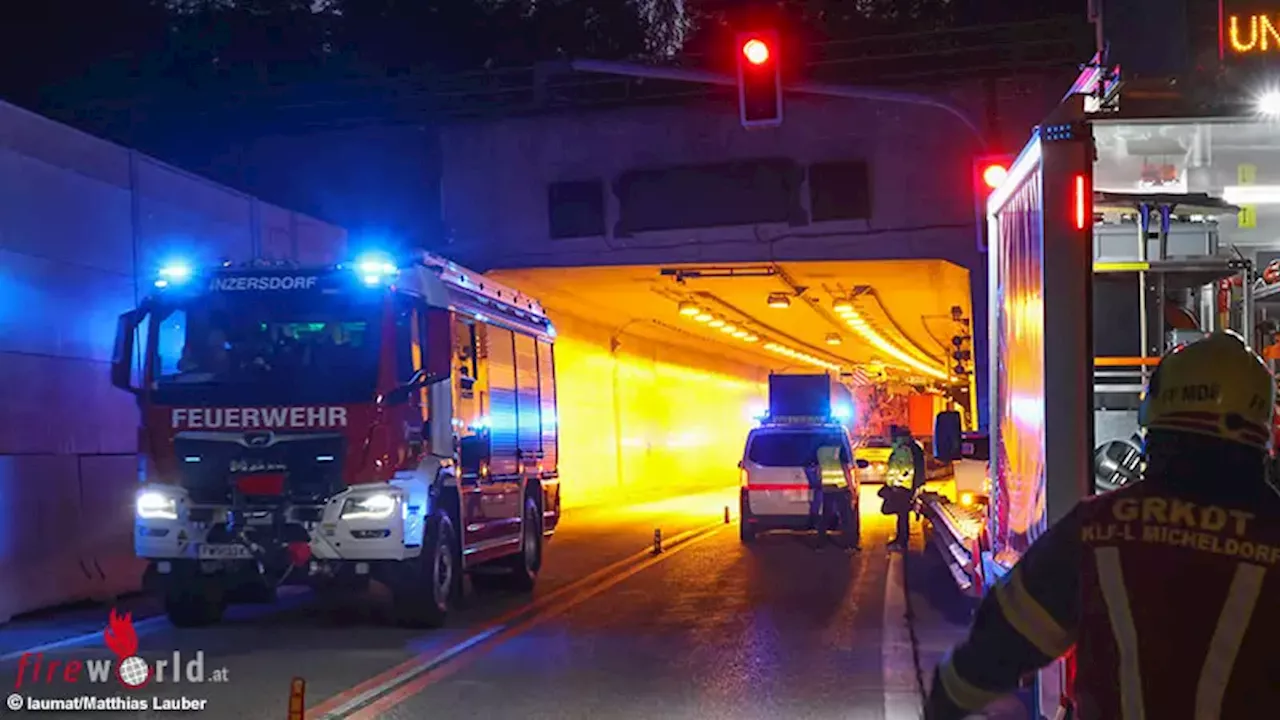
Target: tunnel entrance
(662, 370)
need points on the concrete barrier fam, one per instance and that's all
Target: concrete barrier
(84, 224)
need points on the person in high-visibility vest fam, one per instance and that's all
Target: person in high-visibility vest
(1166, 588)
(905, 469)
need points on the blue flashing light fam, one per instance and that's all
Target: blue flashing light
(759, 413)
(376, 269)
(841, 412)
(174, 273)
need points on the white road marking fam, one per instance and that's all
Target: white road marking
(901, 694)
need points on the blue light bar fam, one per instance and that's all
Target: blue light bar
(174, 273)
(376, 269)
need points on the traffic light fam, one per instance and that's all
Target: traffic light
(759, 80)
(989, 172)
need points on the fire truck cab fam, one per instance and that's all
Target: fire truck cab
(390, 419)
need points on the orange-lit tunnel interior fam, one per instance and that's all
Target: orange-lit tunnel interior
(656, 402)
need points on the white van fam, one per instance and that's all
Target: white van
(798, 477)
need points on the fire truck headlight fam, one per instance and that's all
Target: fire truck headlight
(378, 506)
(152, 505)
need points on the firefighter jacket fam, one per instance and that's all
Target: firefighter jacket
(1169, 601)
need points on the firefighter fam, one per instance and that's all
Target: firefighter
(906, 470)
(1166, 588)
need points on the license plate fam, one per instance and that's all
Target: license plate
(224, 552)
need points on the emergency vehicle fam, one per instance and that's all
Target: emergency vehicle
(797, 467)
(1140, 194)
(391, 419)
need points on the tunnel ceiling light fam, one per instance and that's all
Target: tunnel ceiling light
(703, 316)
(779, 300)
(860, 326)
(834, 339)
(793, 354)
(729, 329)
(751, 337)
(843, 306)
(689, 309)
(740, 334)
(716, 322)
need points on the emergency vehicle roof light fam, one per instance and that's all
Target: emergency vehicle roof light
(376, 268)
(173, 273)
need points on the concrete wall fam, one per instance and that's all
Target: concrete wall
(83, 225)
(643, 419)
(495, 176)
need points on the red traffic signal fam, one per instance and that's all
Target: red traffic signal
(994, 174)
(989, 173)
(755, 51)
(759, 80)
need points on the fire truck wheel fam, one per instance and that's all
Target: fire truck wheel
(194, 601)
(746, 531)
(526, 564)
(427, 585)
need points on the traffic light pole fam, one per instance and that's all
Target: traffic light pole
(606, 67)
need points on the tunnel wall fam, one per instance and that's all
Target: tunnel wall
(81, 220)
(647, 419)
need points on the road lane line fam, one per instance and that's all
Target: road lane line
(411, 685)
(386, 680)
(897, 663)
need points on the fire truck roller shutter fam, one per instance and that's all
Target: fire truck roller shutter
(547, 398)
(503, 426)
(528, 413)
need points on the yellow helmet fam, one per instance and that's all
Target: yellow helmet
(1216, 387)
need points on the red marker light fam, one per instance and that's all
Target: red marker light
(993, 175)
(755, 51)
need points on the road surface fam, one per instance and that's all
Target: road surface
(707, 629)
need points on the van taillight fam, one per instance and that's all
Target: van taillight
(742, 477)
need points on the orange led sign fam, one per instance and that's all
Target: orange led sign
(1251, 33)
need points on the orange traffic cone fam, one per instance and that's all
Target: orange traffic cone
(297, 699)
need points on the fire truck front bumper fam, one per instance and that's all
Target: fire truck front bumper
(363, 523)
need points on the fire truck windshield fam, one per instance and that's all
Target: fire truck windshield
(265, 348)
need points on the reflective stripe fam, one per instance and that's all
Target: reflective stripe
(1029, 618)
(963, 693)
(1111, 577)
(1242, 597)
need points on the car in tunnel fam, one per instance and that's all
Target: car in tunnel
(875, 450)
(798, 477)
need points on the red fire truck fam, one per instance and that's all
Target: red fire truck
(388, 420)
